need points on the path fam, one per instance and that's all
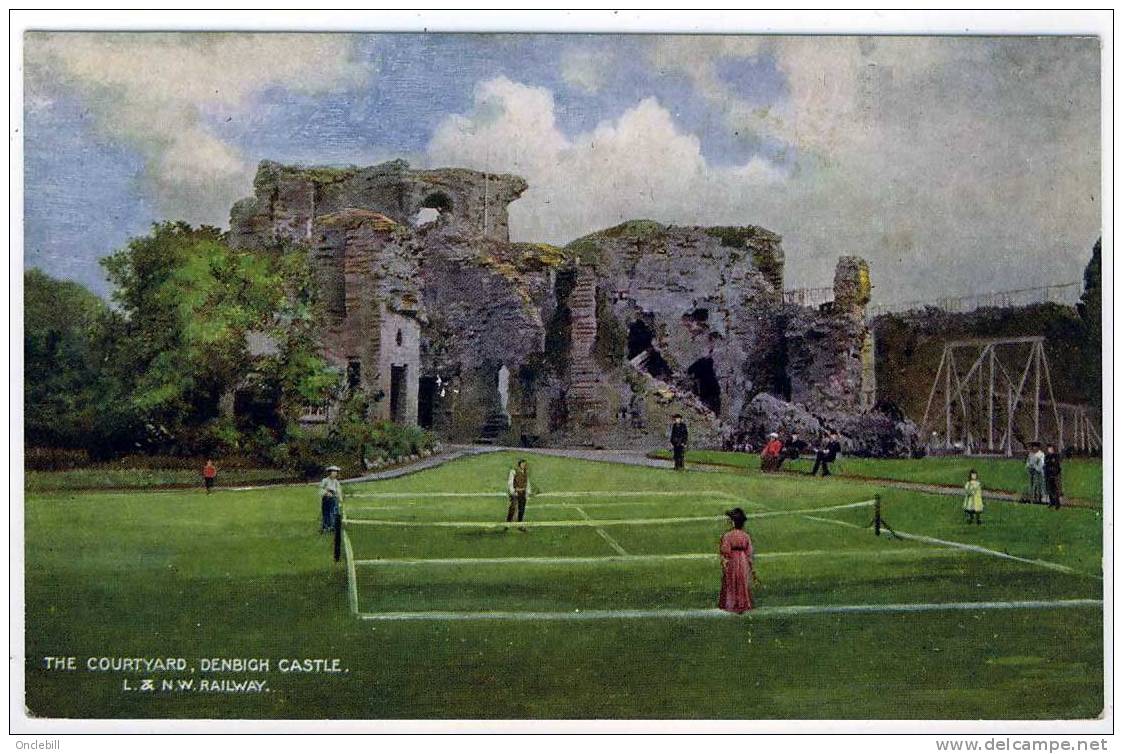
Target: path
(941, 489)
(625, 457)
(438, 459)
(639, 458)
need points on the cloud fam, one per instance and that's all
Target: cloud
(156, 92)
(955, 165)
(637, 165)
(584, 69)
(512, 128)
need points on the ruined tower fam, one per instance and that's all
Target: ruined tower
(287, 199)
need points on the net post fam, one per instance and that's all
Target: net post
(877, 515)
(337, 544)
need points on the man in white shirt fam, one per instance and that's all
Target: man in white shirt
(331, 498)
(1035, 465)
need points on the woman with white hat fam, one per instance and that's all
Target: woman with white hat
(770, 456)
(331, 497)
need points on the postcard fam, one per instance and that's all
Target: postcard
(595, 377)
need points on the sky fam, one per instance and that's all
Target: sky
(954, 165)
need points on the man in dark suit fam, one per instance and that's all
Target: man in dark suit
(678, 442)
(1053, 476)
(826, 454)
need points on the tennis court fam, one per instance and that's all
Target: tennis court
(644, 553)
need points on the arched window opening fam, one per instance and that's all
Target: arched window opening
(704, 383)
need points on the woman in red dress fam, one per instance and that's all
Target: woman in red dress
(736, 566)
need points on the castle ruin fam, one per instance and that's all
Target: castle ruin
(439, 319)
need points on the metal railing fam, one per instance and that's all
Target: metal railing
(809, 296)
(1061, 293)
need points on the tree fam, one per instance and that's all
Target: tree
(293, 375)
(70, 396)
(151, 373)
(1090, 308)
(186, 304)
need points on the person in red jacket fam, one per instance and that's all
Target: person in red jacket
(209, 474)
(770, 456)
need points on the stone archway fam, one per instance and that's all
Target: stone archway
(704, 383)
(641, 340)
(437, 200)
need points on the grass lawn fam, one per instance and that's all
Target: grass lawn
(245, 575)
(115, 477)
(1082, 477)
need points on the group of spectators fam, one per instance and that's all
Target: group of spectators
(775, 452)
(1044, 469)
(772, 455)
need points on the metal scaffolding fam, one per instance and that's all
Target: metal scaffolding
(999, 400)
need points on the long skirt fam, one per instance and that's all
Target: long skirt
(736, 597)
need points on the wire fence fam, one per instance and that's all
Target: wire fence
(1060, 293)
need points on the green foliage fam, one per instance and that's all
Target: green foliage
(587, 249)
(533, 257)
(187, 303)
(151, 373)
(1090, 308)
(759, 242)
(909, 348)
(611, 345)
(349, 442)
(72, 396)
(296, 375)
(639, 229)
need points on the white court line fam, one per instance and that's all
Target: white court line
(608, 559)
(592, 522)
(578, 493)
(603, 534)
(966, 547)
(761, 612)
(531, 505)
(534, 524)
(639, 493)
(426, 494)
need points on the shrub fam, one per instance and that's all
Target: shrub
(350, 442)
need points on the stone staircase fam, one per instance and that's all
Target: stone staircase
(584, 397)
(496, 424)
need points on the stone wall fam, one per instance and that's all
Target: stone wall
(486, 302)
(823, 351)
(399, 338)
(696, 305)
(600, 342)
(370, 303)
(288, 199)
(827, 354)
(585, 402)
